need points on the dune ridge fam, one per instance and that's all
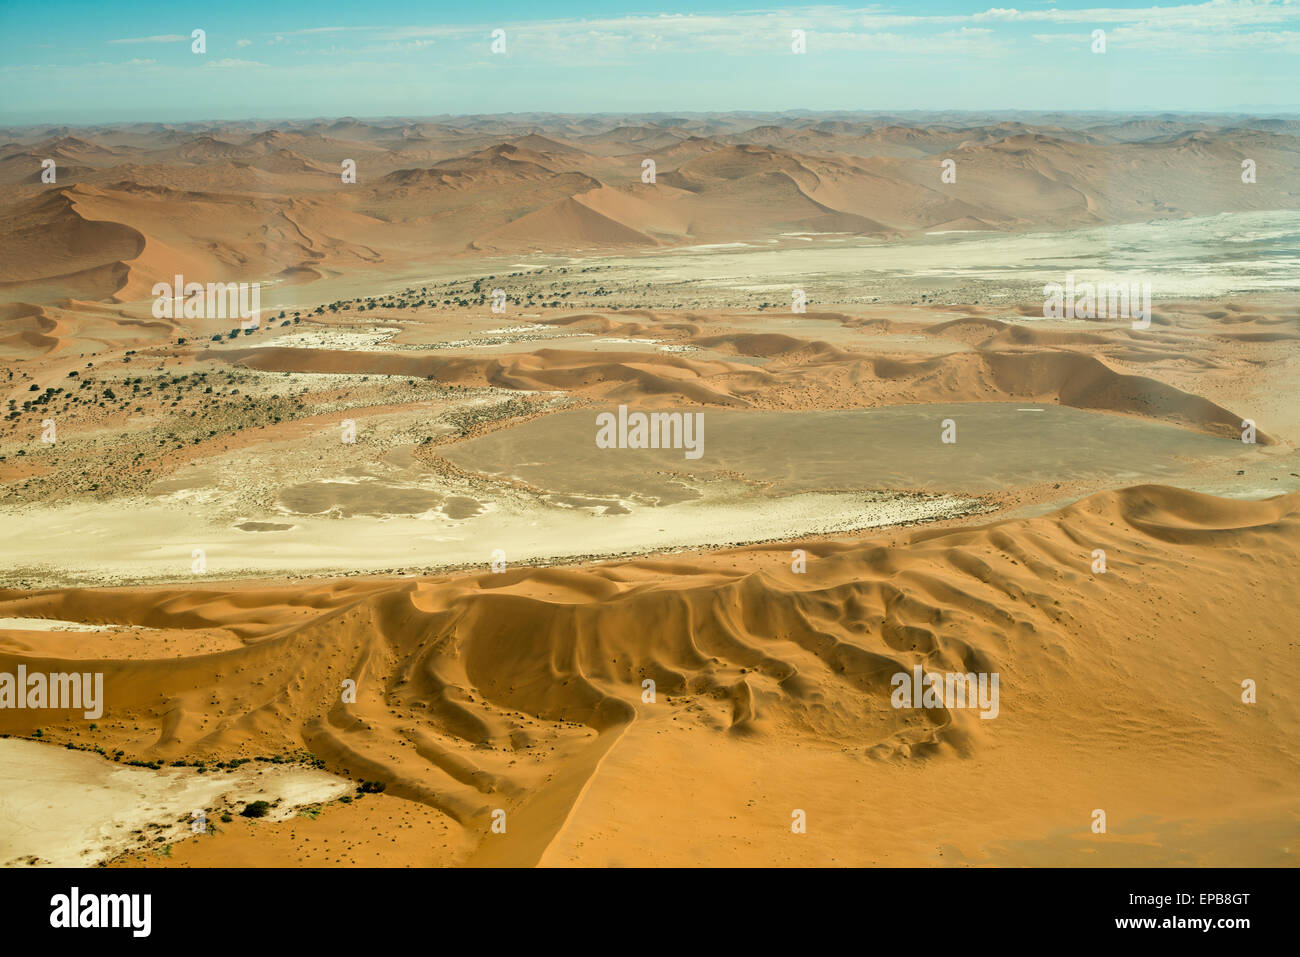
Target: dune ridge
(490, 187)
(800, 374)
(476, 693)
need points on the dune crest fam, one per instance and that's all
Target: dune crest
(474, 692)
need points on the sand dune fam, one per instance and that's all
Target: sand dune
(537, 143)
(61, 248)
(27, 326)
(799, 374)
(519, 690)
(287, 161)
(118, 240)
(570, 222)
(204, 148)
(489, 188)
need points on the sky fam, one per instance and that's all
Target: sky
(68, 61)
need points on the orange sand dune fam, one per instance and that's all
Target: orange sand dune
(523, 691)
(117, 241)
(55, 243)
(27, 327)
(239, 203)
(800, 374)
(567, 221)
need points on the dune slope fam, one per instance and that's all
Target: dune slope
(524, 691)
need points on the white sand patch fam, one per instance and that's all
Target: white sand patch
(154, 543)
(367, 340)
(67, 808)
(511, 330)
(49, 624)
(1180, 258)
(512, 336)
(705, 247)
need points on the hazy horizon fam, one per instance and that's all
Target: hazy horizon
(665, 117)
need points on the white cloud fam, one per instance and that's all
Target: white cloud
(310, 30)
(1209, 27)
(163, 38)
(829, 28)
(232, 64)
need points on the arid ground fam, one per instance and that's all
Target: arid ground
(363, 558)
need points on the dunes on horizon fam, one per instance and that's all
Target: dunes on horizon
(131, 202)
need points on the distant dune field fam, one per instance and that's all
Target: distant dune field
(131, 205)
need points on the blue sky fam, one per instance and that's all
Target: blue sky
(85, 62)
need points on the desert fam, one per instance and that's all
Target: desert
(626, 489)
